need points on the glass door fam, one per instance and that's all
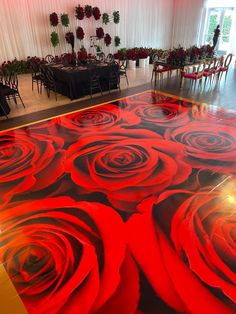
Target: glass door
(223, 17)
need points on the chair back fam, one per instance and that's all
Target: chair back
(123, 63)
(228, 60)
(14, 81)
(200, 68)
(155, 57)
(49, 59)
(109, 58)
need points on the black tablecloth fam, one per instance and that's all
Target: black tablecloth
(4, 108)
(73, 82)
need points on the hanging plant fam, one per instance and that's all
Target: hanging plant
(88, 10)
(117, 41)
(107, 40)
(100, 32)
(116, 17)
(54, 19)
(79, 12)
(54, 39)
(105, 18)
(80, 33)
(65, 20)
(96, 13)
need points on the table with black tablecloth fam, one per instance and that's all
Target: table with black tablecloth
(73, 82)
(4, 107)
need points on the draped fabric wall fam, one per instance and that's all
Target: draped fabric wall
(186, 22)
(25, 28)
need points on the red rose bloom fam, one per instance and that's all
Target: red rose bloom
(63, 257)
(26, 161)
(88, 10)
(127, 165)
(167, 115)
(208, 145)
(191, 240)
(80, 33)
(99, 32)
(96, 13)
(79, 12)
(95, 119)
(107, 39)
(54, 20)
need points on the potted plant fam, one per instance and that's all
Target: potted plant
(142, 55)
(132, 57)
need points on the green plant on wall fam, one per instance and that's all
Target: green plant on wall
(65, 20)
(54, 39)
(117, 41)
(212, 25)
(105, 18)
(116, 17)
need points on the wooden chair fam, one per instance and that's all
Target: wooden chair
(11, 89)
(123, 63)
(210, 70)
(113, 76)
(94, 79)
(49, 58)
(225, 67)
(158, 69)
(194, 73)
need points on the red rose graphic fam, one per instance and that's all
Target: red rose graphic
(150, 97)
(68, 257)
(191, 241)
(216, 115)
(127, 165)
(166, 115)
(208, 145)
(28, 162)
(96, 119)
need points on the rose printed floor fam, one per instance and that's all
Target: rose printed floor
(127, 207)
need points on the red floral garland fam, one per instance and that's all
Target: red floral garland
(80, 33)
(96, 13)
(107, 39)
(54, 20)
(99, 32)
(79, 12)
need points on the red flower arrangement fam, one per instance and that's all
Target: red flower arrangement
(82, 55)
(96, 13)
(107, 39)
(70, 39)
(132, 54)
(80, 33)
(99, 32)
(143, 53)
(79, 12)
(88, 10)
(54, 20)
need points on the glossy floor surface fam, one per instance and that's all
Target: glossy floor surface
(126, 207)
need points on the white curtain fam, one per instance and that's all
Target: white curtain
(186, 22)
(25, 28)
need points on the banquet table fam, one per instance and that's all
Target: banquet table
(4, 107)
(73, 82)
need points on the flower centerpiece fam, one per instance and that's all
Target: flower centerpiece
(82, 55)
(70, 39)
(79, 12)
(99, 32)
(177, 56)
(96, 13)
(88, 10)
(107, 40)
(54, 20)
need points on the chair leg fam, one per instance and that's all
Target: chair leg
(126, 79)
